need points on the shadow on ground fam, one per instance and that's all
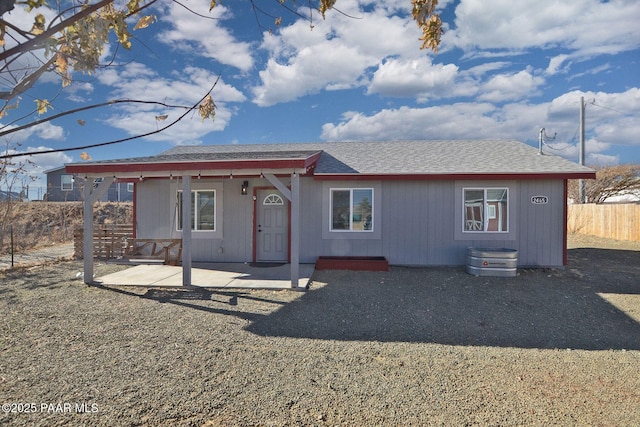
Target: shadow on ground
(225, 302)
(540, 308)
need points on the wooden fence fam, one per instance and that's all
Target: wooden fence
(109, 241)
(613, 221)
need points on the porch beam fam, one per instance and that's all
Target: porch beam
(90, 196)
(186, 230)
(279, 185)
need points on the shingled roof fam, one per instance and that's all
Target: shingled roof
(389, 158)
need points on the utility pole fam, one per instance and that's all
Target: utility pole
(581, 182)
(542, 137)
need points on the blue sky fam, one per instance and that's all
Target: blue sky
(505, 69)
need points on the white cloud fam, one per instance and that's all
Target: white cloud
(336, 53)
(187, 131)
(79, 92)
(586, 27)
(457, 121)
(482, 69)
(602, 160)
(205, 37)
(333, 64)
(49, 160)
(40, 162)
(137, 82)
(605, 127)
(509, 87)
(413, 78)
(555, 65)
(46, 131)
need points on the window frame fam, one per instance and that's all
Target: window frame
(485, 213)
(350, 228)
(479, 238)
(69, 184)
(195, 211)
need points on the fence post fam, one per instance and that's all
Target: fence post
(11, 234)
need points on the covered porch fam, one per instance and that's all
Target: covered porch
(280, 171)
(211, 275)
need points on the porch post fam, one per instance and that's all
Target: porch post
(87, 243)
(186, 230)
(295, 230)
(90, 195)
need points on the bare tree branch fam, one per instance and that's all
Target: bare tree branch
(102, 144)
(85, 108)
(40, 38)
(610, 181)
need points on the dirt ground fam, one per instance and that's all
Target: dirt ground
(414, 346)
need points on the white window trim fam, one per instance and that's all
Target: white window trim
(350, 230)
(491, 212)
(378, 218)
(62, 183)
(203, 185)
(130, 187)
(486, 209)
(195, 213)
(478, 238)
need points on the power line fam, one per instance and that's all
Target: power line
(566, 147)
(544, 138)
(593, 102)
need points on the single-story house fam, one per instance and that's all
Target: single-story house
(416, 203)
(65, 187)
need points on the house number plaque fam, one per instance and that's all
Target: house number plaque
(539, 200)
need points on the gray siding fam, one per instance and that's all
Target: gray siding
(416, 222)
(156, 204)
(54, 187)
(541, 226)
(117, 192)
(153, 210)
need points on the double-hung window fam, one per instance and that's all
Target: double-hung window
(203, 210)
(352, 209)
(66, 182)
(486, 210)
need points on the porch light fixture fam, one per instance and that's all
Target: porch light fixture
(245, 186)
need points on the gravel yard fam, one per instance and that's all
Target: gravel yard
(431, 346)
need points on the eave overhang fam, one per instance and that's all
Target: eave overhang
(453, 176)
(210, 167)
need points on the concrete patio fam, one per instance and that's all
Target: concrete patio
(211, 275)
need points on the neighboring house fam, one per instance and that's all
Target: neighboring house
(66, 187)
(417, 203)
